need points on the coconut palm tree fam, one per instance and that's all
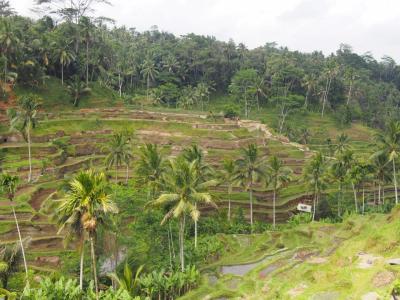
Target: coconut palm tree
(89, 195)
(119, 152)
(313, 175)
(380, 169)
(77, 88)
(309, 82)
(151, 166)
(249, 171)
(278, 175)
(389, 144)
(64, 56)
(182, 186)
(195, 154)
(342, 144)
(9, 40)
(354, 177)
(24, 120)
(227, 176)
(8, 184)
(69, 220)
(338, 172)
(149, 72)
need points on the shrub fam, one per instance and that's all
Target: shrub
(231, 112)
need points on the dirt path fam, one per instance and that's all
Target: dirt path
(258, 126)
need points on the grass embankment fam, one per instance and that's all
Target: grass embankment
(343, 261)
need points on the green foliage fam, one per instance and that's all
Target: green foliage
(231, 111)
(68, 289)
(302, 218)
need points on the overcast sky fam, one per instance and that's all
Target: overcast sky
(306, 25)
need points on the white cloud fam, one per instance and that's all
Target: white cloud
(306, 25)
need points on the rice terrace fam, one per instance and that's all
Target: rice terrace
(150, 164)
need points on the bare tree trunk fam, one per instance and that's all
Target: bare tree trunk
(379, 193)
(29, 153)
(181, 241)
(395, 181)
(251, 205)
(229, 202)
(349, 94)
(22, 245)
(355, 197)
(363, 200)
(314, 204)
(127, 173)
(81, 263)
(87, 63)
(195, 229)
(273, 208)
(94, 267)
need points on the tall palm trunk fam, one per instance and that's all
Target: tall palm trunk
(87, 62)
(81, 263)
(29, 153)
(195, 228)
(355, 197)
(273, 208)
(96, 285)
(116, 174)
(229, 202)
(148, 87)
(251, 204)
(363, 200)
(314, 203)
(181, 242)
(379, 193)
(395, 181)
(339, 198)
(22, 246)
(62, 73)
(127, 174)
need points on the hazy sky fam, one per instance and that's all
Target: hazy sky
(306, 25)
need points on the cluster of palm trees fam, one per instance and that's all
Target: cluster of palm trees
(181, 184)
(342, 167)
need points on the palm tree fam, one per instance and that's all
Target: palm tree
(70, 222)
(278, 175)
(149, 72)
(380, 170)
(88, 194)
(259, 88)
(227, 176)
(11, 257)
(195, 154)
(342, 144)
(24, 120)
(64, 56)
(389, 144)
(314, 177)
(182, 186)
(8, 184)
(150, 168)
(119, 152)
(77, 88)
(249, 171)
(309, 82)
(9, 41)
(355, 176)
(339, 170)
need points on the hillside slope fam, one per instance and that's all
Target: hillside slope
(349, 260)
